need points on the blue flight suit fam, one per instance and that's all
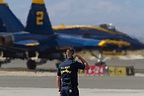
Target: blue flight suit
(68, 70)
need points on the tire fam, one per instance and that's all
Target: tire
(31, 65)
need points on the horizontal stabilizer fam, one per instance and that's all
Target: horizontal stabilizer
(27, 43)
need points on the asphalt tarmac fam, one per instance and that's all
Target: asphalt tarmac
(16, 80)
(99, 82)
(21, 64)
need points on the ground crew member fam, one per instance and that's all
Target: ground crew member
(67, 74)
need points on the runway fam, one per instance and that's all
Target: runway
(53, 92)
(16, 80)
(98, 82)
(18, 64)
(88, 85)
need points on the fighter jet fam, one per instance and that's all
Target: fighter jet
(101, 32)
(38, 41)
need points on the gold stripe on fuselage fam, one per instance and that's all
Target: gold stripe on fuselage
(103, 43)
(63, 27)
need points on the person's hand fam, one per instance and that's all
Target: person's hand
(83, 61)
(79, 56)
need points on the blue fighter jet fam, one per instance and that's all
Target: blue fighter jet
(38, 41)
(8, 23)
(101, 32)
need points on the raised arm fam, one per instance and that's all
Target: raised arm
(83, 61)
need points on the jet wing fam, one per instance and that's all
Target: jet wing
(70, 41)
(27, 43)
(64, 40)
(105, 42)
(90, 42)
(58, 41)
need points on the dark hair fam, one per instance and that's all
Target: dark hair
(71, 50)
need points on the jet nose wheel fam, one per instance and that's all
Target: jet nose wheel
(31, 64)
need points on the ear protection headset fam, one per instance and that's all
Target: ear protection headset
(74, 54)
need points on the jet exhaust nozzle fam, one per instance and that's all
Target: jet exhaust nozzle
(6, 40)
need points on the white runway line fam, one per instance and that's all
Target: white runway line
(5, 91)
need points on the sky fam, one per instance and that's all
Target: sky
(126, 15)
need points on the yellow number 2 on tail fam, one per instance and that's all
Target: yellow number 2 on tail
(39, 18)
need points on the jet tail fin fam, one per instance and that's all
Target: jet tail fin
(9, 22)
(38, 20)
